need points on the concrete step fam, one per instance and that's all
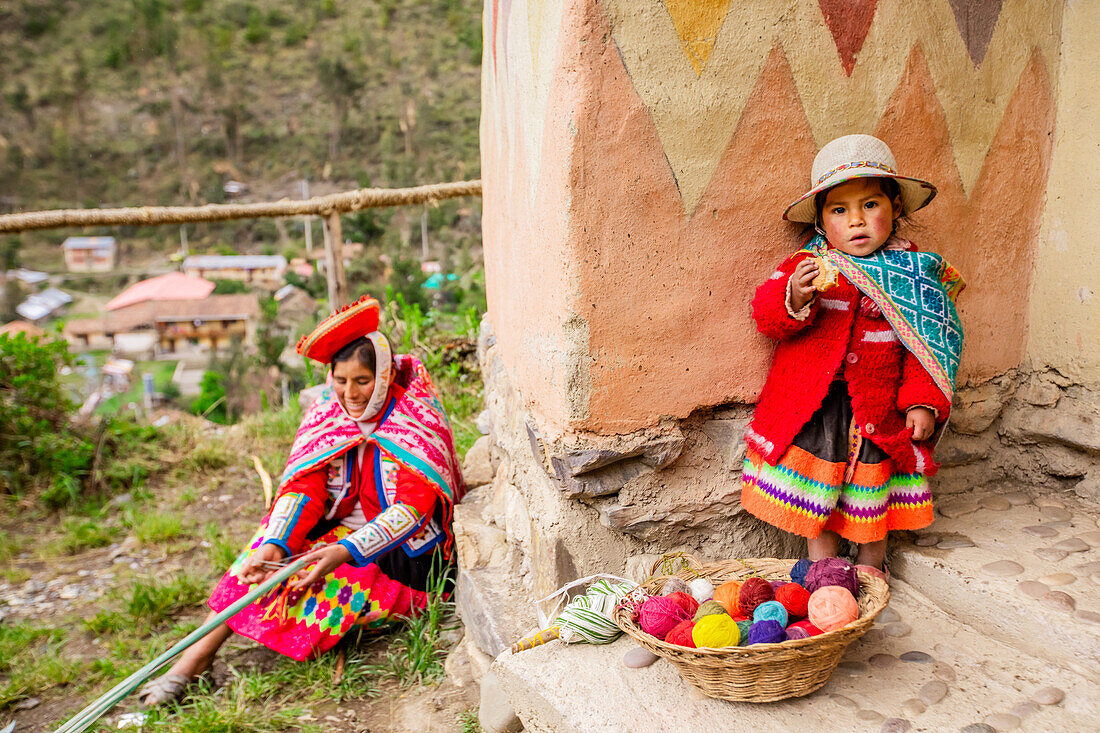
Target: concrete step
(1024, 570)
(966, 679)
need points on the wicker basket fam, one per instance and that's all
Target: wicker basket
(761, 672)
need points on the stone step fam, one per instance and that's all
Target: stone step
(1022, 569)
(960, 678)
(487, 604)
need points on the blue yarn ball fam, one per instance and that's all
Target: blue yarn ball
(767, 632)
(770, 611)
(798, 572)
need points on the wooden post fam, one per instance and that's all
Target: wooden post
(334, 260)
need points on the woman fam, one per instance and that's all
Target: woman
(367, 495)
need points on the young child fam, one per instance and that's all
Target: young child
(863, 374)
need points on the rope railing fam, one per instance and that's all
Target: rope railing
(323, 206)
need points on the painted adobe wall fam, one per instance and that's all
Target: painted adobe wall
(638, 156)
(1065, 294)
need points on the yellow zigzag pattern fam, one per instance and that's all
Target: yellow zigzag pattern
(695, 114)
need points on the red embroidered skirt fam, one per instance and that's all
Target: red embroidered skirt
(305, 624)
(833, 478)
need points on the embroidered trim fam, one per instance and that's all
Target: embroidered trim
(835, 304)
(880, 336)
(284, 515)
(857, 164)
(385, 532)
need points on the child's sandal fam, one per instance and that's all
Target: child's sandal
(883, 575)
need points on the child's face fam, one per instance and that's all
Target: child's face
(858, 217)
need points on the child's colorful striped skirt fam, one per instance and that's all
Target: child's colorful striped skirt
(833, 478)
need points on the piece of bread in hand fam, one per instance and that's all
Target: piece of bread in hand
(827, 274)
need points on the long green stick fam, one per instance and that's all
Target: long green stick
(89, 715)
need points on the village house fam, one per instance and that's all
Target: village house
(90, 254)
(165, 329)
(265, 271)
(39, 306)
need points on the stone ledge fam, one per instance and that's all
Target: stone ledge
(992, 548)
(491, 610)
(967, 677)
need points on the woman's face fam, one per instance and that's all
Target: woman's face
(354, 385)
(858, 217)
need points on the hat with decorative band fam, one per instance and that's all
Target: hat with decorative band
(340, 329)
(857, 156)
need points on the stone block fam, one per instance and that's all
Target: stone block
(729, 439)
(477, 543)
(601, 482)
(552, 565)
(1075, 422)
(1039, 392)
(496, 714)
(1064, 462)
(638, 567)
(492, 609)
(976, 408)
(962, 450)
(1089, 486)
(477, 469)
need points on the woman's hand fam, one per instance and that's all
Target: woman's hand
(254, 571)
(922, 421)
(327, 559)
(801, 283)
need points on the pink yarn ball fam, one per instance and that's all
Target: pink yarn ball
(832, 571)
(797, 632)
(832, 607)
(657, 615)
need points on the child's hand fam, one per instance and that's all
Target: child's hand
(802, 288)
(922, 421)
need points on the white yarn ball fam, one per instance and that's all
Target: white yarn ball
(701, 590)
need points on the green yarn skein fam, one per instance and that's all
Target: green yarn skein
(709, 608)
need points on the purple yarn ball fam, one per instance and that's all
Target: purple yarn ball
(832, 571)
(798, 572)
(767, 632)
(797, 632)
(776, 583)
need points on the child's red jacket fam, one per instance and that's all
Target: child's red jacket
(843, 336)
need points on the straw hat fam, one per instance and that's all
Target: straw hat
(857, 156)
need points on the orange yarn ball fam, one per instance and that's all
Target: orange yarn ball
(832, 607)
(726, 594)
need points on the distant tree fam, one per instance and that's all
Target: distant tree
(211, 400)
(229, 287)
(339, 83)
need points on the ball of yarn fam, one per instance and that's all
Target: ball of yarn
(832, 571)
(675, 585)
(684, 601)
(716, 630)
(726, 594)
(770, 611)
(701, 589)
(832, 607)
(754, 591)
(794, 598)
(767, 632)
(680, 634)
(804, 626)
(709, 608)
(776, 583)
(657, 615)
(793, 633)
(798, 572)
(743, 626)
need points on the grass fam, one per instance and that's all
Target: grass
(80, 534)
(251, 702)
(222, 550)
(31, 661)
(152, 527)
(416, 653)
(469, 721)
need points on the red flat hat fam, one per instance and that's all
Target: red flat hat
(340, 329)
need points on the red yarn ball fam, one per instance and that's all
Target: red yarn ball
(806, 626)
(684, 601)
(754, 591)
(794, 598)
(832, 571)
(657, 615)
(681, 634)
